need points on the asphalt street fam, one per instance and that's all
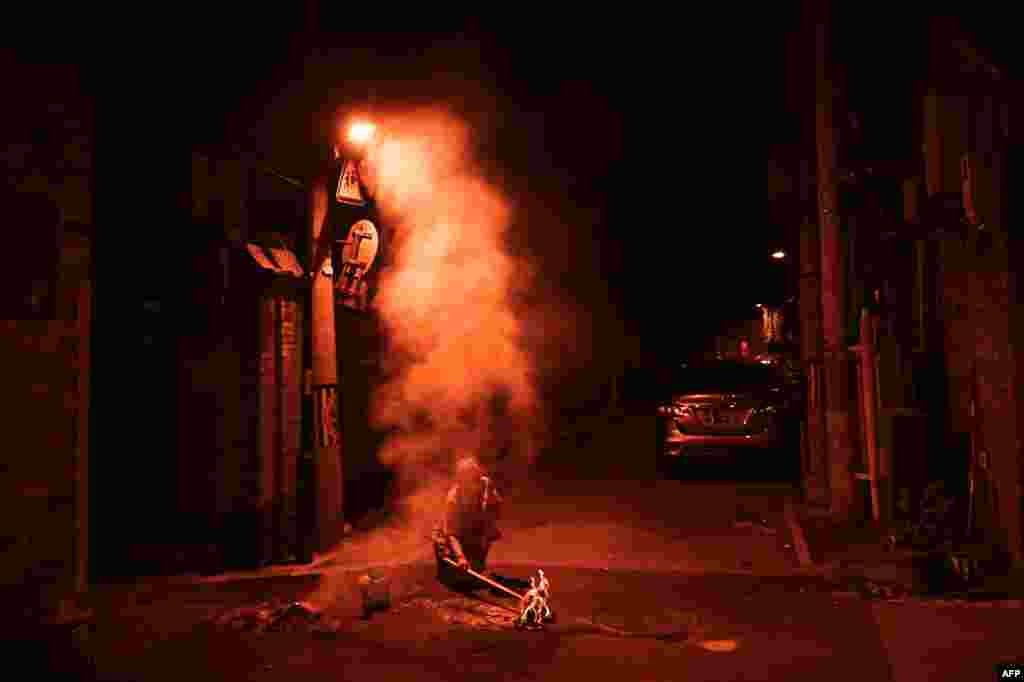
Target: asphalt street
(651, 579)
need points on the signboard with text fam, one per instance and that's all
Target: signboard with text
(349, 189)
(358, 253)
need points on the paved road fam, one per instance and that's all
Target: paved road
(781, 628)
(661, 560)
(711, 627)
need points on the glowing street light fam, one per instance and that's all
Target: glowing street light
(778, 254)
(361, 133)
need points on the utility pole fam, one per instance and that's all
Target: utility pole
(835, 360)
(327, 439)
(814, 458)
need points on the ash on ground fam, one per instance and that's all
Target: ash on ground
(280, 616)
(464, 611)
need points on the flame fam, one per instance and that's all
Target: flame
(534, 609)
(719, 646)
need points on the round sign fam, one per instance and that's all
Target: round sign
(361, 245)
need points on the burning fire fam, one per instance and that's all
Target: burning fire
(534, 604)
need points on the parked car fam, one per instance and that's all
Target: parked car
(721, 407)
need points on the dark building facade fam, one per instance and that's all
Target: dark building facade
(46, 307)
(928, 313)
(239, 405)
(245, 416)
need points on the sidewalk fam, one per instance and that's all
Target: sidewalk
(857, 555)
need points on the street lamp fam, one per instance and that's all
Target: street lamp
(779, 254)
(361, 132)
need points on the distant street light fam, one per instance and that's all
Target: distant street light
(779, 254)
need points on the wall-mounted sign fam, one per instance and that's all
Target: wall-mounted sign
(358, 252)
(349, 190)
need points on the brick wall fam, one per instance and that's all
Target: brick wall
(981, 365)
(979, 313)
(45, 399)
(46, 157)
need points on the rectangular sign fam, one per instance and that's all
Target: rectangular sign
(349, 190)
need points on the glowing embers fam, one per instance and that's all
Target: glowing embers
(719, 646)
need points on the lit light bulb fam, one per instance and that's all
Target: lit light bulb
(361, 133)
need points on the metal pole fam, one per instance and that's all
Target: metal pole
(866, 350)
(328, 443)
(833, 282)
(487, 580)
(81, 546)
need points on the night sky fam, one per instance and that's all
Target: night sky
(646, 147)
(643, 137)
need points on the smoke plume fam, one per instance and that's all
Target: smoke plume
(460, 379)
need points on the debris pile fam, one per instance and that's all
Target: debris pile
(935, 527)
(873, 589)
(292, 616)
(951, 556)
(465, 611)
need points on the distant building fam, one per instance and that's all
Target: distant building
(765, 338)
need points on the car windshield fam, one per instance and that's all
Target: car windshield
(733, 377)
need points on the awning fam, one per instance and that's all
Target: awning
(278, 261)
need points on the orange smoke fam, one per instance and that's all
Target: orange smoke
(446, 300)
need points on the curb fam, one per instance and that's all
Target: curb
(967, 603)
(228, 578)
(248, 580)
(796, 531)
(880, 574)
(297, 575)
